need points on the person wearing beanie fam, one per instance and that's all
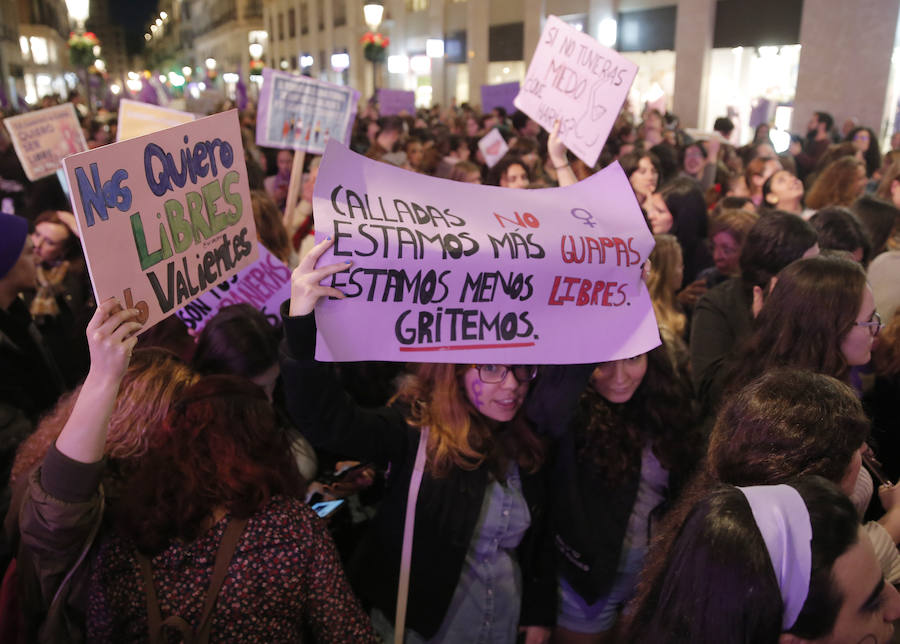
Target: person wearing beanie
(29, 378)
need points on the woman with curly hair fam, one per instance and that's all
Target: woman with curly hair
(627, 449)
(219, 474)
(216, 459)
(479, 564)
(864, 140)
(153, 379)
(840, 184)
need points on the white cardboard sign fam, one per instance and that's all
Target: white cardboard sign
(493, 146)
(576, 80)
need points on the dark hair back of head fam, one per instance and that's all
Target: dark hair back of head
(238, 340)
(724, 125)
(221, 447)
(776, 240)
(685, 201)
(879, 219)
(838, 228)
(668, 161)
(826, 119)
(718, 585)
(786, 423)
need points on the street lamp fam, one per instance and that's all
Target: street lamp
(256, 50)
(373, 12)
(79, 10)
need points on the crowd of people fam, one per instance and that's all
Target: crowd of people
(731, 485)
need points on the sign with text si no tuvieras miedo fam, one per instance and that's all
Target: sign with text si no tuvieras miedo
(576, 80)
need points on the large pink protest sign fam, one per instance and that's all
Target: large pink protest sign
(448, 272)
(164, 217)
(44, 137)
(576, 80)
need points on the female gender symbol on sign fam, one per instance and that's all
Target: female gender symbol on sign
(588, 220)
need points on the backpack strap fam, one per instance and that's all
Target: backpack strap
(230, 538)
(227, 546)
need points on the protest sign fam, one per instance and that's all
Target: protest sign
(42, 138)
(502, 95)
(166, 216)
(395, 101)
(301, 113)
(493, 146)
(265, 284)
(449, 272)
(137, 119)
(576, 80)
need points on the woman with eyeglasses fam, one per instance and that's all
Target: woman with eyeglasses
(619, 459)
(820, 315)
(481, 562)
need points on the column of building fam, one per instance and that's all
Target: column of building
(694, 26)
(477, 30)
(845, 60)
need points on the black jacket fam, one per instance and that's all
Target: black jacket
(447, 510)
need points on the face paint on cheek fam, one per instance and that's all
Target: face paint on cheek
(477, 390)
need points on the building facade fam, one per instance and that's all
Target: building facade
(43, 33)
(762, 60)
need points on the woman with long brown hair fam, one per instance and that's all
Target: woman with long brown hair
(820, 315)
(480, 563)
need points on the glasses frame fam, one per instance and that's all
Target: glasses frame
(521, 377)
(874, 324)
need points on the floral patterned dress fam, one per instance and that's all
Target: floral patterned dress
(285, 578)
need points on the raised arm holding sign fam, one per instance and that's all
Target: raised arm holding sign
(576, 80)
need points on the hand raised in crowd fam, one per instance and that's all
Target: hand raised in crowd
(111, 336)
(556, 151)
(690, 294)
(305, 280)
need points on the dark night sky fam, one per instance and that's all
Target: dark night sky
(134, 16)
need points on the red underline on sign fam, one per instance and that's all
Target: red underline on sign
(464, 347)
